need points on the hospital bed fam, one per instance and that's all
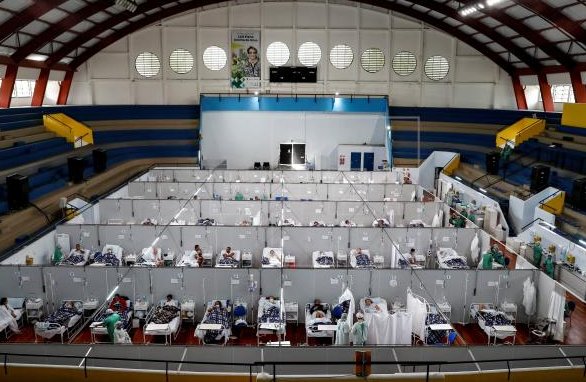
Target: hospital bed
(349, 224)
(270, 320)
(76, 259)
(63, 321)
(17, 304)
(322, 259)
(287, 223)
(215, 326)
(379, 324)
(496, 324)
(146, 258)
(274, 262)
(189, 259)
(385, 224)
(206, 222)
(111, 255)
(163, 320)
(319, 326)
(317, 223)
(363, 261)
(448, 258)
(96, 327)
(228, 263)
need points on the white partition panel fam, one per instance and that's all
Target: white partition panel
(356, 212)
(347, 192)
(270, 283)
(358, 177)
(220, 190)
(147, 209)
(254, 176)
(391, 284)
(237, 212)
(369, 238)
(86, 235)
(251, 191)
(300, 191)
(140, 236)
(134, 283)
(394, 208)
(444, 237)
(119, 209)
(116, 234)
(204, 236)
(22, 282)
(333, 177)
(375, 192)
(212, 209)
(297, 176)
(146, 190)
(244, 239)
(394, 192)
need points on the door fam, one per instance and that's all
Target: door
(368, 162)
(355, 161)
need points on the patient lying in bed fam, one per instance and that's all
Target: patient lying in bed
(228, 257)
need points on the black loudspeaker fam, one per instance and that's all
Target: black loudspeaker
(579, 194)
(492, 163)
(17, 191)
(99, 159)
(75, 166)
(539, 178)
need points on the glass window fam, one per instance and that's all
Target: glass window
(341, 56)
(214, 58)
(404, 63)
(309, 54)
(147, 64)
(562, 93)
(23, 89)
(181, 61)
(277, 53)
(372, 60)
(436, 68)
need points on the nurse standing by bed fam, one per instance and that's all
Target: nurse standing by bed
(343, 331)
(8, 314)
(359, 331)
(110, 323)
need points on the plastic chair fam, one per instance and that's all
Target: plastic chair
(452, 337)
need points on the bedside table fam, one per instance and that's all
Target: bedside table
(140, 312)
(188, 311)
(89, 307)
(292, 312)
(34, 309)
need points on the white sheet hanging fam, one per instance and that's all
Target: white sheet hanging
(347, 295)
(392, 218)
(379, 329)
(418, 312)
(529, 297)
(556, 313)
(403, 328)
(475, 249)
(436, 220)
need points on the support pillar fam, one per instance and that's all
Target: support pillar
(519, 93)
(545, 90)
(64, 88)
(8, 86)
(40, 87)
(578, 86)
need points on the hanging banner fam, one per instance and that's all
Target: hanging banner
(245, 71)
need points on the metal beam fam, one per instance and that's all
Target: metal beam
(38, 9)
(581, 67)
(4, 60)
(545, 90)
(482, 28)
(8, 86)
(64, 88)
(40, 88)
(578, 86)
(519, 93)
(55, 30)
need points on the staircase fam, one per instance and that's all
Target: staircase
(520, 131)
(75, 132)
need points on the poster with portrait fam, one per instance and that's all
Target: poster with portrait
(245, 71)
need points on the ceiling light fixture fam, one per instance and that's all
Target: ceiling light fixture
(127, 5)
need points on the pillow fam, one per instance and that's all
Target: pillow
(240, 311)
(337, 311)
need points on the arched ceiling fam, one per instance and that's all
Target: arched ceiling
(521, 36)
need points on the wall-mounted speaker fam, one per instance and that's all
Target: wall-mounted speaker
(100, 160)
(17, 190)
(75, 165)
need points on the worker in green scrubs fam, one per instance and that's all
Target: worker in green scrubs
(487, 260)
(497, 255)
(549, 266)
(110, 323)
(537, 252)
(57, 255)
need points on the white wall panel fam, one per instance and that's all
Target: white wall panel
(112, 93)
(343, 37)
(147, 40)
(209, 37)
(311, 15)
(559, 78)
(375, 39)
(179, 38)
(342, 17)
(437, 43)
(187, 20)
(278, 15)
(370, 19)
(464, 49)
(409, 41)
(57, 75)
(402, 22)
(475, 69)
(217, 17)
(473, 95)
(405, 94)
(148, 92)
(436, 94)
(80, 94)
(120, 46)
(28, 73)
(181, 92)
(246, 15)
(111, 65)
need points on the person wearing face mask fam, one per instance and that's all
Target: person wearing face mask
(343, 331)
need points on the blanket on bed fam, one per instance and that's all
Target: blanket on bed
(124, 317)
(74, 259)
(435, 336)
(271, 314)
(495, 318)
(403, 264)
(62, 315)
(216, 316)
(363, 260)
(325, 260)
(165, 314)
(106, 258)
(314, 322)
(228, 261)
(456, 263)
(206, 222)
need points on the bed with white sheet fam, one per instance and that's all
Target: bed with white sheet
(233, 262)
(347, 223)
(76, 259)
(190, 260)
(96, 327)
(215, 317)
(316, 326)
(376, 317)
(111, 255)
(288, 222)
(270, 319)
(496, 324)
(317, 223)
(362, 260)
(163, 320)
(148, 259)
(17, 304)
(448, 258)
(272, 261)
(385, 223)
(63, 321)
(321, 259)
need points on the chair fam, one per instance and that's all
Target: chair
(570, 307)
(257, 165)
(266, 166)
(452, 337)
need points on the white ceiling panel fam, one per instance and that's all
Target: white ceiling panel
(4, 16)
(482, 38)
(65, 37)
(98, 17)
(559, 3)
(452, 22)
(489, 21)
(506, 31)
(35, 28)
(536, 22)
(519, 12)
(16, 5)
(82, 26)
(554, 35)
(54, 16)
(72, 6)
(576, 12)
(522, 42)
